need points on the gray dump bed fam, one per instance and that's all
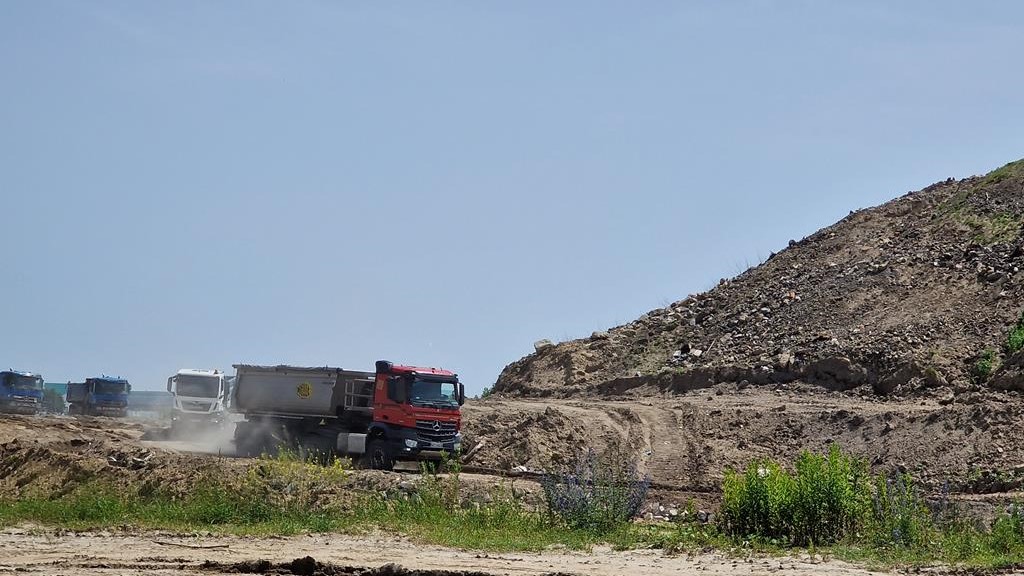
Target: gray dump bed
(294, 391)
(77, 392)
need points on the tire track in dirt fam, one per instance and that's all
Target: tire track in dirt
(687, 441)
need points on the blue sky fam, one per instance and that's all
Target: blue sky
(196, 184)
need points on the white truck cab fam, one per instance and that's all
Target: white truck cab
(199, 397)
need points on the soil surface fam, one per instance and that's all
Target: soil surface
(967, 453)
(49, 456)
(93, 554)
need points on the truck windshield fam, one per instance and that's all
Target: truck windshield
(197, 386)
(105, 387)
(433, 393)
(19, 382)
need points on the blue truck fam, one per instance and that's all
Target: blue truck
(20, 392)
(101, 396)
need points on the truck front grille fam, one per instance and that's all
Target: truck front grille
(435, 431)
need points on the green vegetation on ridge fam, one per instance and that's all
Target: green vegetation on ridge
(986, 229)
(1004, 172)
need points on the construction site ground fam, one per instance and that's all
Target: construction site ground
(968, 453)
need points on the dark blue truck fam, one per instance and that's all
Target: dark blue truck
(20, 392)
(102, 396)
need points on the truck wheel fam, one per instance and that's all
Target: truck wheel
(249, 440)
(379, 456)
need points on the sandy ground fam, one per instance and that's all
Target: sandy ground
(34, 552)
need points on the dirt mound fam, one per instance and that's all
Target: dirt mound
(52, 456)
(528, 440)
(686, 442)
(894, 298)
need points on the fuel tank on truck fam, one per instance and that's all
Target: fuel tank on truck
(292, 391)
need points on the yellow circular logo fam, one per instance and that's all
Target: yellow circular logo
(304, 390)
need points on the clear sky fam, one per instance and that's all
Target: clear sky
(197, 184)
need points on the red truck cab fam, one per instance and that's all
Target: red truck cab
(415, 414)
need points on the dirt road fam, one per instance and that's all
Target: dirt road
(971, 444)
(32, 552)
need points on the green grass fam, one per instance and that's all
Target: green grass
(955, 544)
(502, 526)
(986, 364)
(825, 501)
(994, 229)
(1015, 341)
(95, 505)
(880, 521)
(283, 496)
(1005, 172)
(986, 229)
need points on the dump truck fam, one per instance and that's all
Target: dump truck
(200, 399)
(396, 413)
(100, 396)
(20, 392)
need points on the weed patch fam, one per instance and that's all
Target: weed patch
(596, 492)
(984, 366)
(1015, 341)
(823, 502)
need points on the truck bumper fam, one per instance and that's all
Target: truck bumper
(19, 407)
(410, 447)
(196, 419)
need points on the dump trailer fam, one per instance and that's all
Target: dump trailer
(101, 396)
(394, 413)
(200, 399)
(20, 392)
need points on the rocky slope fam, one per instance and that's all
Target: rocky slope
(906, 295)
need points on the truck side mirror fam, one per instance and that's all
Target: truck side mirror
(169, 382)
(462, 394)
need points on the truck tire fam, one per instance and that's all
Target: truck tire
(249, 439)
(379, 456)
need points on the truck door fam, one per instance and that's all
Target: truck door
(392, 394)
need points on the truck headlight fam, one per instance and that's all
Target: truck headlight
(410, 444)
